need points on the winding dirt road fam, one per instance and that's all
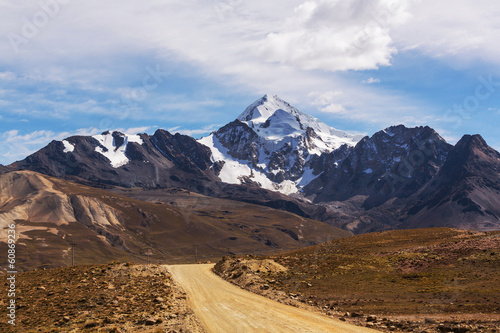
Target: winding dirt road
(223, 307)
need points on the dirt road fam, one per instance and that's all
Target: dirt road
(223, 307)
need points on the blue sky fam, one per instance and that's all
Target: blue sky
(80, 68)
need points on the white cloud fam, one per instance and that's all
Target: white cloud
(7, 76)
(327, 102)
(136, 130)
(459, 30)
(195, 132)
(16, 146)
(334, 109)
(256, 44)
(368, 106)
(231, 37)
(337, 35)
(292, 47)
(325, 97)
(370, 81)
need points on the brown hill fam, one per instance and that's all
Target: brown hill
(49, 213)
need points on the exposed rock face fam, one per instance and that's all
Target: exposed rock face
(31, 196)
(393, 163)
(38, 205)
(462, 192)
(240, 140)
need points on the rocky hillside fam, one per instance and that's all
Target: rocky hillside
(393, 163)
(389, 182)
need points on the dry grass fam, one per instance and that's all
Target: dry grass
(106, 298)
(404, 272)
(442, 273)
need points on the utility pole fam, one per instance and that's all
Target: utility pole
(148, 252)
(196, 253)
(73, 244)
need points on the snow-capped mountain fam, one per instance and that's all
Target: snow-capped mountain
(274, 119)
(274, 145)
(399, 177)
(114, 158)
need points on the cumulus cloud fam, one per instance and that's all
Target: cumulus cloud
(334, 109)
(337, 35)
(254, 44)
(327, 102)
(459, 30)
(257, 46)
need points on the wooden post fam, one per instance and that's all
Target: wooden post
(73, 244)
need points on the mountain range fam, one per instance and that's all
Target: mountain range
(274, 155)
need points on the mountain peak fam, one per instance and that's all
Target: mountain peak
(259, 111)
(272, 118)
(273, 144)
(472, 148)
(472, 141)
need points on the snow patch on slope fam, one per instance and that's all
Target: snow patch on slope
(68, 147)
(306, 178)
(233, 169)
(259, 111)
(109, 148)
